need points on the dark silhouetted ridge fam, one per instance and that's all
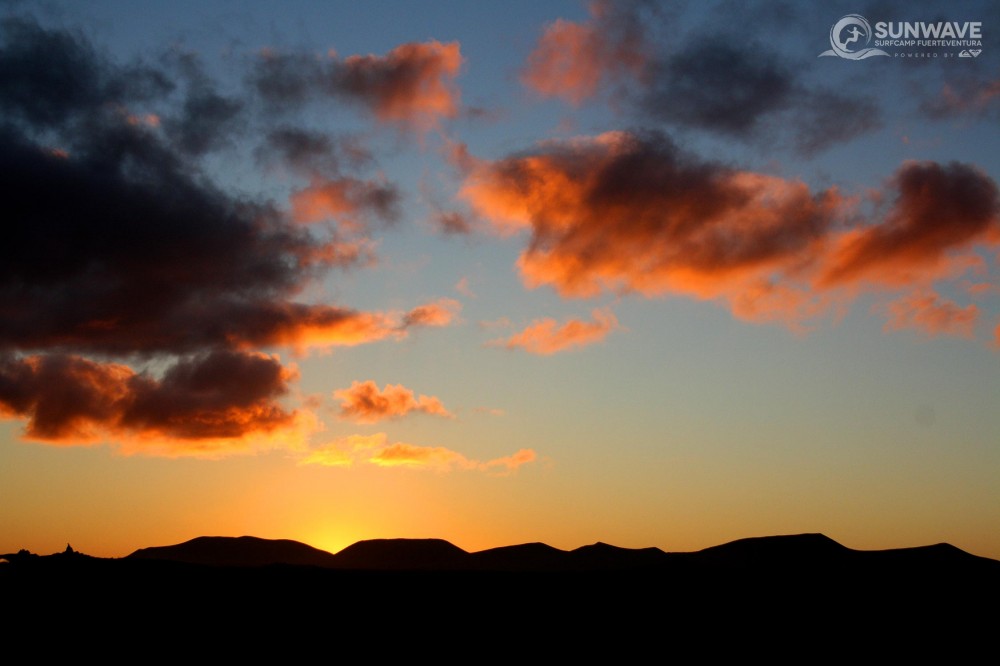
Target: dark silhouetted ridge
(602, 556)
(244, 551)
(402, 554)
(777, 550)
(800, 555)
(523, 557)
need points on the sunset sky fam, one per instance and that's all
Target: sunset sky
(653, 274)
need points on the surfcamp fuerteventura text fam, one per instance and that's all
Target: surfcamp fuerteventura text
(854, 38)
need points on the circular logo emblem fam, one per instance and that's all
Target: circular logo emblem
(849, 38)
(847, 33)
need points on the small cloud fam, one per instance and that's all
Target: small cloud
(492, 411)
(572, 60)
(453, 223)
(546, 336)
(462, 287)
(928, 312)
(441, 312)
(344, 451)
(412, 85)
(979, 289)
(363, 402)
(345, 199)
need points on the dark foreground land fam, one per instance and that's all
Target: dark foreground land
(772, 596)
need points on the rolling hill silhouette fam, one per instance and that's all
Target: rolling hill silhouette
(238, 551)
(428, 596)
(784, 552)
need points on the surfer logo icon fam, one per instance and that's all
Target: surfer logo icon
(849, 38)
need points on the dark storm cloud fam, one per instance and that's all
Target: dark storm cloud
(118, 247)
(49, 77)
(302, 150)
(286, 81)
(715, 79)
(823, 119)
(744, 90)
(115, 248)
(207, 119)
(718, 86)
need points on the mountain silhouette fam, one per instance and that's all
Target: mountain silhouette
(771, 553)
(401, 554)
(523, 557)
(409, 597)
(241, 551)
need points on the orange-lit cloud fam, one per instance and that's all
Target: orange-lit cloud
(522, 457)
(302, 326)
(442, 459)
(939, 212)
(209, 405)
(376, 449)
(441, 312)
(363, 402)
(572, 60)
(981, 288)
(344, 451)
(966, 98)
(566, 62)
(413, 83)
(345, 199)
(625, 212)
(546, 336)
(928, 312)
(419, 456)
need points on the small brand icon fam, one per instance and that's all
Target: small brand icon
(970, 53)
(846, 37)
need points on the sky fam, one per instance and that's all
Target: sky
(659, 274)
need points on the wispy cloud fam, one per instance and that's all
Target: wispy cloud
(412, 85)
(442, 312)
(928, 312)
(376, 449)
(547, 336)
